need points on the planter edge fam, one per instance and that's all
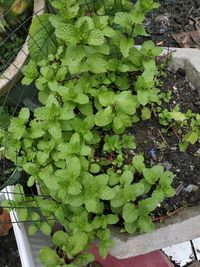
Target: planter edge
(12, 73)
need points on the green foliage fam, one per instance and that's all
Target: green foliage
(75, 145)
(188, 125)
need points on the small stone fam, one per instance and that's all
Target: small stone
(197, 153)
(190, 188)
(167, 165)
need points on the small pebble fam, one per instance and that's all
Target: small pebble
(190, 188)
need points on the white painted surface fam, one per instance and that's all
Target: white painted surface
(196, 243)
(28, 246)
(182, 253)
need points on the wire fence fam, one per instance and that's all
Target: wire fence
(160, 25)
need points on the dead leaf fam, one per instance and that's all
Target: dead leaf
(5, 223)
(188, 39)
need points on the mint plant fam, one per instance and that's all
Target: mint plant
(75, 145)
(187, 124)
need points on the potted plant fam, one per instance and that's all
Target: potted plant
(76, 146)
(14, 17)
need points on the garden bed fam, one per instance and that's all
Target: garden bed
(163, 148)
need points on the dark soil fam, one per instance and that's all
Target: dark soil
(173, 17)
(9, 256)
(184, 164)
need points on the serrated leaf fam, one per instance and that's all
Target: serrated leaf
(177, 116)
(103, 117)
(42, 41)
(191, 137)
(123, 18)
(96, 38)
(94, 168)
(138, 163)
(91, 205)
(126, 102)
(145, 224)
(125, 46)
(107, 193)
(97, 64)
(146, 113)
(48, 257)
(130, 213)
(60, 238)
(106, 98)
(130, 227)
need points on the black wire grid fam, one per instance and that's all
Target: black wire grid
(7, 99)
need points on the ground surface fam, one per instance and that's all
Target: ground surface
(173, 17)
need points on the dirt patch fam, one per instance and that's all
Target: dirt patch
(173, 17)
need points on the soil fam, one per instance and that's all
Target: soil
(173, 17)
(184, 164)
(9, 255)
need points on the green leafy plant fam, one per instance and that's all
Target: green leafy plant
(187, 124)
(75, 145)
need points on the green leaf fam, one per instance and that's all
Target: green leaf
(94, 168)
(42, 157)
(60, 238)
(149, 49)
(106, 98)
(138, 163)
(192, 137)
(45, 228)
(152, 175)
(130, 213)
(145, 224)
(91, 205)
(177, 116)
(96, 38)
(130, 227)
(123, 18)
(48, 257)
(74, 188)
(41, 41)
(73, 167)
(146, 113)
(112, 218)
(55, 130)
(126, 177)
(126, 102)
(32, 229)
(97, 64)
(125, 46)
(103, 117)
(107, 193)
(143, 97)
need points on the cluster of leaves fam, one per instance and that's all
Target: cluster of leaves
(75, 145)
(187, 125)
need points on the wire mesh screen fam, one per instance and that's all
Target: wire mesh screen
(162, 25)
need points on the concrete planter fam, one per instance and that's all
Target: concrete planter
(184, 226)
(13, 72)
(177, 229)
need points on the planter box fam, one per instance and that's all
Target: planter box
(175, 230)
(184, 226)
(12, 74)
